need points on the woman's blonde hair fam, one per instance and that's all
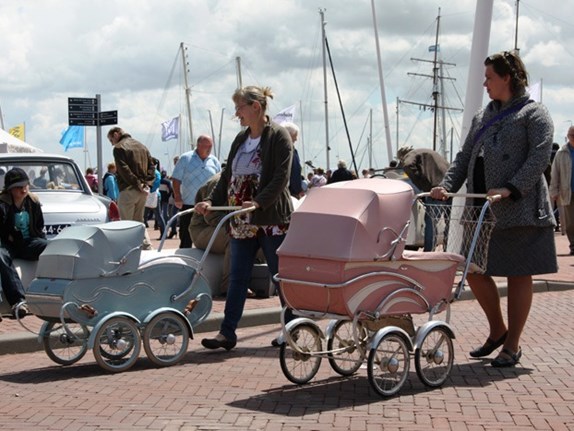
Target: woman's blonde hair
(251, 94)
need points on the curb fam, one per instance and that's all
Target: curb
(25, 342)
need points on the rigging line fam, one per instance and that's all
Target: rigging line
(211, 74)
(542, 12)
(561, 21)
(340, 102)
(152, 134)
(406, 140)
(359, 143)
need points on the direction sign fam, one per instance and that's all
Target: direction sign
(80, 101)
(82, 118)
(82, 108)
(108, 117)
(82, 111)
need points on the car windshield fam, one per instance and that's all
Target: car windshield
(46, 176)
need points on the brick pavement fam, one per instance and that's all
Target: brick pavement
(245, 389)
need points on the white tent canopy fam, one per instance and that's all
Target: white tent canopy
(11, 144)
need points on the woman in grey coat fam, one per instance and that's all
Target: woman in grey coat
(505, 153)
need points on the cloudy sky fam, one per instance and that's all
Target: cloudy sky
(128, 52)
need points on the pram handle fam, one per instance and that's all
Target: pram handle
(491, 199)
(234, 211)
(189, 211)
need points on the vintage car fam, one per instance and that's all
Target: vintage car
(63, 191)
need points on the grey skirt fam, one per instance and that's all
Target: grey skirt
(522, 251)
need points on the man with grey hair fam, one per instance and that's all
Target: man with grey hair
(295, 180)
(341, 173)
(193, 169)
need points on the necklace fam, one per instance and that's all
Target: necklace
(252, 143)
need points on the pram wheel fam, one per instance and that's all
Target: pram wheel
(302, 363)
(434, 357)
(165, 339)
(345, 356)
(388, 365)
(65, 347)
(117, 344)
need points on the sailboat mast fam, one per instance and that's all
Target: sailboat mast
(435, 90)
(187, 92)
(323, 24)
(516, 26)
(238, 68)
(370, 139)
(1, 119)
(382, 86)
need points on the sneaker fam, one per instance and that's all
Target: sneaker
(22, 311)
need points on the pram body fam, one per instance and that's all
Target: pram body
(343, 258)
(97, 277)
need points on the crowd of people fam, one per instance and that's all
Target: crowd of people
(506, 152)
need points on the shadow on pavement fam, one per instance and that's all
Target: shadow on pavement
(346, 392)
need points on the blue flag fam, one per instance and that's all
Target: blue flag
(72, 137)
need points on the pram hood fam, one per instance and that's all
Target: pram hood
(350, 221)
(89, 251)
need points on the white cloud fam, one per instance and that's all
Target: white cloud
(126, 51)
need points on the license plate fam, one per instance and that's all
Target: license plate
(54, 229)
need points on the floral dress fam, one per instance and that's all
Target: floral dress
(245, 177)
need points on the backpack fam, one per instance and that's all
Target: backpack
(105, 189)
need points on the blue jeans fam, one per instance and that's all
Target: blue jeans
(243, 253)
(11, 283)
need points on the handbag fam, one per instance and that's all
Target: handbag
(151, 200)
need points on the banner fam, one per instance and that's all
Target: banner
(535, 91)
(287, 115)
(18, 131)
(170, 129)
(72, 137)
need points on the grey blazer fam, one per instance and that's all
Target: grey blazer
(516, 150)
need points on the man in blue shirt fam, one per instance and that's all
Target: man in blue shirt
(192, 170)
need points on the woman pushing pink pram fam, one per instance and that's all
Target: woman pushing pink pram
(344, 258)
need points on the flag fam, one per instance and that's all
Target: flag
(535, 91)
(286, 115)
(72, 137)
(434, 48)
(170, 129)
(18, 131)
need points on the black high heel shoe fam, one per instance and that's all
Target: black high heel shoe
(214, 343)
(488, 347)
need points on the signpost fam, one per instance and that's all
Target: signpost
(86, 112)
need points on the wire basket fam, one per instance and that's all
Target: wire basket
(455, 226)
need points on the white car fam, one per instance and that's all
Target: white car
(63, 191)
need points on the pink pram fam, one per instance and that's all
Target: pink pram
(344, 259)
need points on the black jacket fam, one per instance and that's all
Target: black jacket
(10, 236)
(272, 195)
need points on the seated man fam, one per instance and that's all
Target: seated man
(21, 234)
(201, 230)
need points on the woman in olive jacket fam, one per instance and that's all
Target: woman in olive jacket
(257, 174)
